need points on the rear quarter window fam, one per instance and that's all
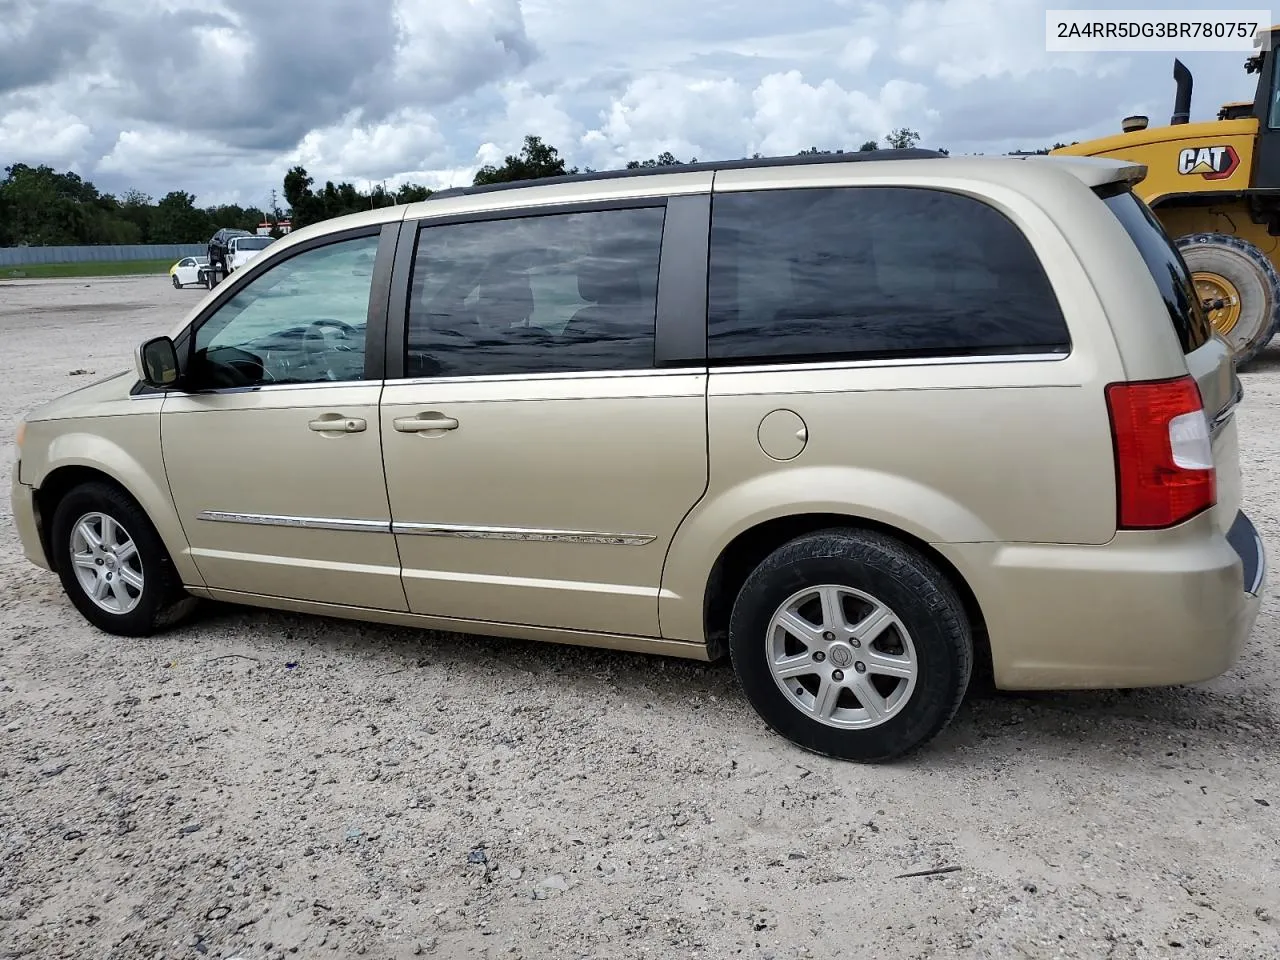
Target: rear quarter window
(873, 272)
(1167, 268)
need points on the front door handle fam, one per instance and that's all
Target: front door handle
(337, 423)
(424, 423)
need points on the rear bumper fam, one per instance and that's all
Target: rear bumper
(23, 504)
(1147, 609)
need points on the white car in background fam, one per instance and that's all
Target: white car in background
(240, 250)
(188, 270)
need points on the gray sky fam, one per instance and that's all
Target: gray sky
(221, 98)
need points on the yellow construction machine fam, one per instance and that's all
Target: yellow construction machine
(1216, 188)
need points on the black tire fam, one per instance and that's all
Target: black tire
(1252, 273)
(161, 601)
(905, 582)
(177, 284)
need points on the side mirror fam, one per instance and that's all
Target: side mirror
(156, 362)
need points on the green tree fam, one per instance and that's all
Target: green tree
(138, 210)
(305, 207)
(233, 215)
(411, 193)
(869, 146)
(535, 161)
(309, 206)
(664, 159)
(42, 206)
(1034, 153)
(902, 138)
(178, 220)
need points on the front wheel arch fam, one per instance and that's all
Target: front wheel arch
(159, 600)
(56, 486)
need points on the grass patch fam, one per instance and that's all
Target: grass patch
(91, 268)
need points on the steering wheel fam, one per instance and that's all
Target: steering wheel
(316, 344)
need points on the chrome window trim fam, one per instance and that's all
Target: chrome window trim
(747, 367)
(772, 367)
(555, 375)
(724, 366)
(263, 388)
(461, 531)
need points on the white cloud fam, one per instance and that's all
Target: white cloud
(220, 99)
(960, 41)
(46, 134)
(687, 116)
(857, 53)
(792, 114)
(446, 46)
(530, 112)
(781, 114)
(408, 139)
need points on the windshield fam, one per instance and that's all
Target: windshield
(251, 243)
(1167, 269)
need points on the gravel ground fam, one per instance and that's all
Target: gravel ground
(258, 784)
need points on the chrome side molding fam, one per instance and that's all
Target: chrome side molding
(308, 523)
(531, 535)
(519, 533)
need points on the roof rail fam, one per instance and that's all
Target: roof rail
(800, 160)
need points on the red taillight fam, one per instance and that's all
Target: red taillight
(1164, 459)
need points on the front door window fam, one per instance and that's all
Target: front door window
(303, 321)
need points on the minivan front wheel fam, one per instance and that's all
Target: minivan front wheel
(852, 644)
(113, 565)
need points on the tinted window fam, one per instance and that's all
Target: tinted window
(1273, 119)
(303, 321)
(252, 243)
(539, 294)
(873, 272)
(1167, 269)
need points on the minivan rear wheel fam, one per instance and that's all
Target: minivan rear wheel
(852, 644)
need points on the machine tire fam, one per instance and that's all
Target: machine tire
(1249, 270)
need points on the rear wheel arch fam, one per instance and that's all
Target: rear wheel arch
(749, 549)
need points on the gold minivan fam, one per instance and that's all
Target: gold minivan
(865, 423)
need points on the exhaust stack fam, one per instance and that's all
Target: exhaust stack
(1182, 100)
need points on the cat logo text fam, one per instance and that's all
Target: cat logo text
(1212, 163)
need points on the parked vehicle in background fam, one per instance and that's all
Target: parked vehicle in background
(865, 423)
(220, 252)
(188, 270)
(240, 250)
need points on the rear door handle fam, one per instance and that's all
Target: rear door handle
(424, 423)
(337, 423)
